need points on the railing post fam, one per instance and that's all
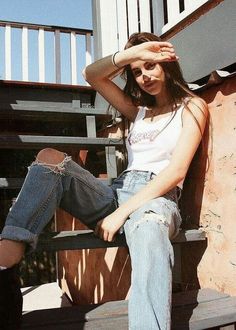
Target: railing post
(132, 16)
(145, 16)
(122, 26)
(25, 55)
(173, 11)
(73, 58)
(57, 56)
(41, 52)
(8, 52)
(158, 16)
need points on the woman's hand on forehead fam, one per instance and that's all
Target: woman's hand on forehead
(156, 51)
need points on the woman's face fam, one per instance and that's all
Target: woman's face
(149, 76)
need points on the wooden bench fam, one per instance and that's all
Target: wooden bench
(193, 310)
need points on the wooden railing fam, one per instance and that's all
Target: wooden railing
(75, 54)
(167, 13)
(125, 17)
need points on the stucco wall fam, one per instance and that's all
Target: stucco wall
(210, 199)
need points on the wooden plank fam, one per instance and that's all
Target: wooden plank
(8, 52)
(75, 240)
(145, 15)
(88, 43)
(34, 141)
(133, 16)
(204, 315)
(16, 183)
(41, 55)
(172, 11)
(157, 16)
(11, 183)
(91, 126)
(85, 239)
(57, 56)
(190, 236)
(73, 58)
(111, 162)
(196, 296)
(50, 107)
(122, 24)
(25, 55)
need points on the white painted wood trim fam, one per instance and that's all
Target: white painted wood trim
(8, 52)
(25, 54)
(41, 54)
(145, 18)
(190, 7)
(88, 55)
(133, 16)
(88, 58)
(122, 23)
(157, 16)
(173, 11)
(57, 56)
(73, 60)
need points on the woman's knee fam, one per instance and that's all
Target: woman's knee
(50, 156)
(11, 252)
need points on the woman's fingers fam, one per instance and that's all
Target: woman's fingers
(106, 235)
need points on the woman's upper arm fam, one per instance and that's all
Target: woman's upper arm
(194, 122)
(113, 94)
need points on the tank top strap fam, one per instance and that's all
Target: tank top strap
(141, 113)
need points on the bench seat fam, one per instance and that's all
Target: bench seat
(193, 310)
(85, 239)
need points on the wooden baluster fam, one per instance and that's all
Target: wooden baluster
(25, 54)
(122, 24)
(41, 54)
(58, 56)
(8, 52)
(145, 17)
(158, 16)
(73, 58)
(133, 16)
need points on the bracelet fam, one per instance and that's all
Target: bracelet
(113, 60)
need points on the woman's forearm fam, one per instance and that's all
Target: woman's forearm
(160, 185)
(105, 67)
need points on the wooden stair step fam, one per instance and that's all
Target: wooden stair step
(85, 239)
(16, 183)
(43, 107)
(35, 141)
(201, 309)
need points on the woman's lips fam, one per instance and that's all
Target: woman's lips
(149, 84)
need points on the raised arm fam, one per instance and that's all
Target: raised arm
(100, 73)
(168, 178)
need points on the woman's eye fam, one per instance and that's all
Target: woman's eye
(137, 73)
(150, 66)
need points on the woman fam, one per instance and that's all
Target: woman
(167, 127)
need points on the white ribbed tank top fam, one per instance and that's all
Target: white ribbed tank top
(150, 145)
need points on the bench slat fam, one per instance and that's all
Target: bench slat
(85, 239)
(220, 310)
(35, 141)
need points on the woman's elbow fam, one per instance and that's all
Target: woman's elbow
(85, 74)
(178, 173)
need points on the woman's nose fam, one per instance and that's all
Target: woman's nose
(146, 77)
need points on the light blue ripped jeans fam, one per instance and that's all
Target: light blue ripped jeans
(77, 191)
(147, 235)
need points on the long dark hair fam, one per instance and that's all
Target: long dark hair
(175, 83)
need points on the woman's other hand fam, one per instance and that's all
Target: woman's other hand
(109, 226)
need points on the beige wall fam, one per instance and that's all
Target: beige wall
(211, 201)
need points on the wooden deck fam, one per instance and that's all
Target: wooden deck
(193, 310)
